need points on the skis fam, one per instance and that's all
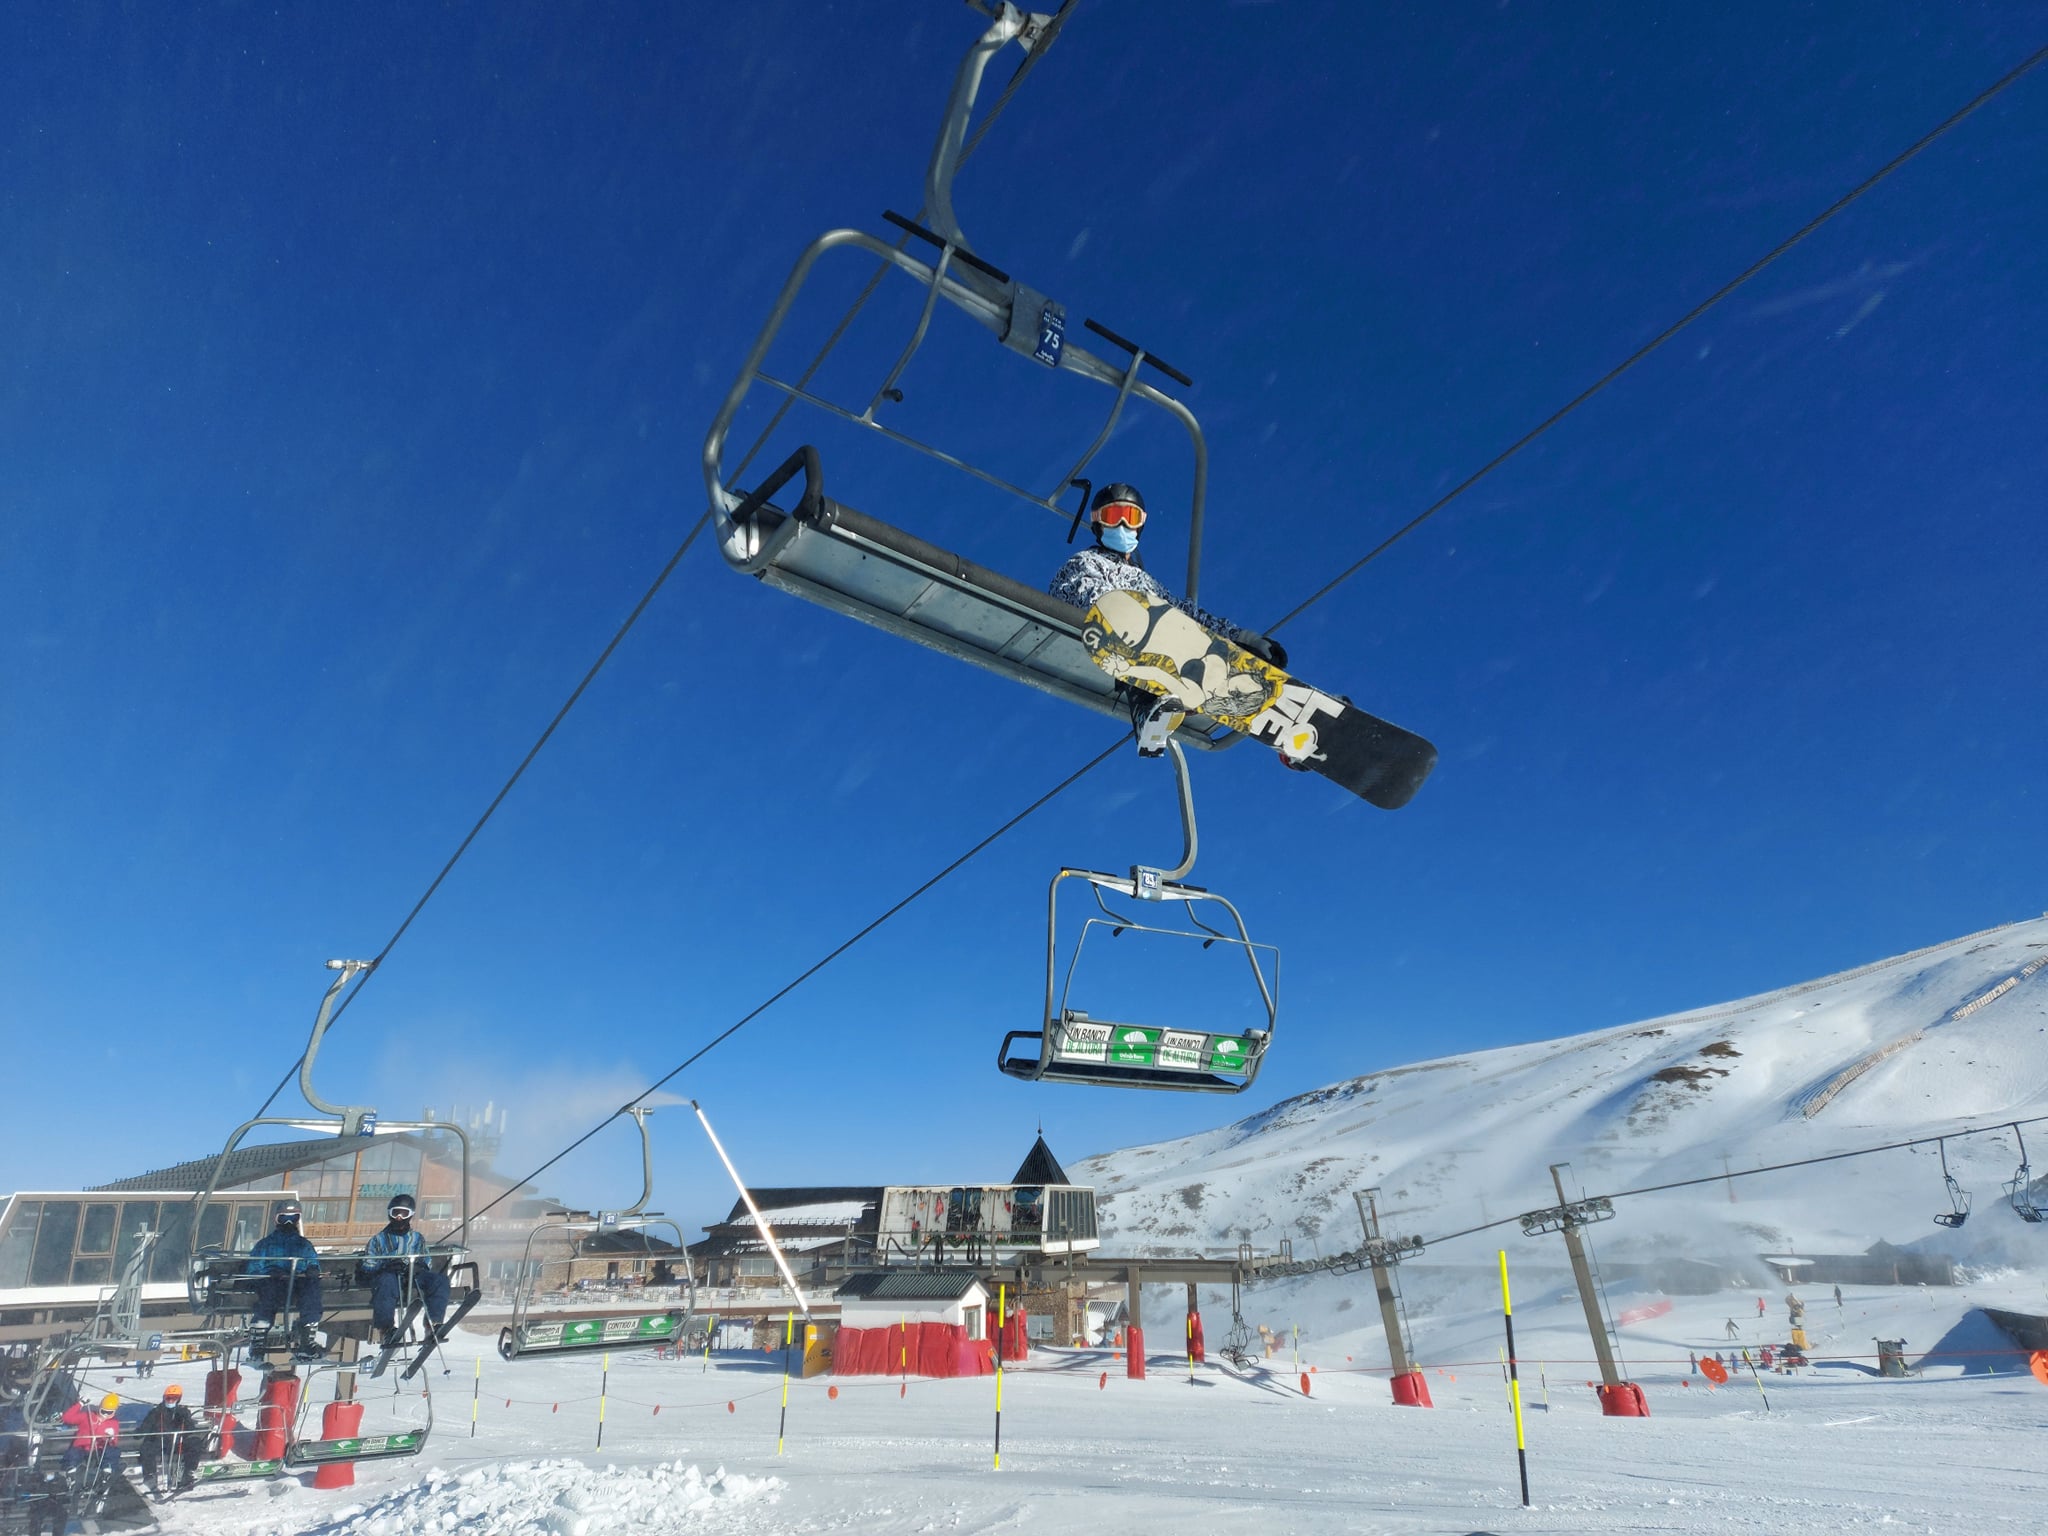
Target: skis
(382, 1362)
(438, 1336)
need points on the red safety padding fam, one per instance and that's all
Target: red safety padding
(899, 1350)
(337, 1422)
(1134, 1353)
(846, 1351)
(1198, 1349)
(222, 1387)
(938, 1348)
(274, 1418)
(1411, 1390)
(1624, 1400)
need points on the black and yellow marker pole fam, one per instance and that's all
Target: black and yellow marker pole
(1002, 1323)
(788, 1333)
(1753, 1376)
(604, 1387)
(476, 1388)
(1507, 1313)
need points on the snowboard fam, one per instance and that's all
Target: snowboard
(1147, 643)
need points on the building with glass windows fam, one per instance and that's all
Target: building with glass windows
(62, 1251)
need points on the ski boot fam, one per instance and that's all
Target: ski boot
(308, 1343)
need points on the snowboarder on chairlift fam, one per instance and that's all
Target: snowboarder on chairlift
(288, 1267)
(395, 1259)
(1113, 564)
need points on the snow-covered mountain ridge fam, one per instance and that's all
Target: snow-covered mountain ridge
(1950, 1035)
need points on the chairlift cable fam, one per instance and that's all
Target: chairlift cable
(1750, 1173)
(1017, 79)
(813, 969)
(590, 676)
(1980, 99)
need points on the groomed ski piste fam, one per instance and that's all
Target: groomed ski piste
(1954, 1449)
(691, 1445)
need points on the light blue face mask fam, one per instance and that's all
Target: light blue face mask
(1120, 538)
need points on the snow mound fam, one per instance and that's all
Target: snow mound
(556, 1498)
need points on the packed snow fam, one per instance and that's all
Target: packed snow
(1954, 1447)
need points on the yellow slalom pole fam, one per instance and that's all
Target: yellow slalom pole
(1002, 1323)
(604, 1386)
(788, 1332)
(1507, 1313)
(475, 1391)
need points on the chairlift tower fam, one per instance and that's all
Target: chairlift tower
(1384, 1255)
(1618, 1398)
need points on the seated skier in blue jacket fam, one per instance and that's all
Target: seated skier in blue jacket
(1114, 565)
(289, 1267)
(395, 1259)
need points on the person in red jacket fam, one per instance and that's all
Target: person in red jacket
(92, 1431)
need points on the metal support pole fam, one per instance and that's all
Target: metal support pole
(1383, 1284)
(1582, 1275)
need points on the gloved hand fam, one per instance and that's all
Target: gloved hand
(1265, 647)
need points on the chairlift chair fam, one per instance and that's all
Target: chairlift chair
(1074, 1047)
(861, 566)
(1958, 1197)
(2019, 1190)
(566, 1332)
(220, 1287)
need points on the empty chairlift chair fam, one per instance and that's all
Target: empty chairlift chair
(562, 1330)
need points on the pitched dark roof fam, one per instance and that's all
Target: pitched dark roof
(244, 1165)
(909, 1285)
(1041, 1167)
(625, 1242)
(772, 1200)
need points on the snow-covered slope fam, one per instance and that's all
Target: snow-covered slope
(1953, 1034)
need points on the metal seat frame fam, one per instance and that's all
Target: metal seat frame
(1055, 1063)
(552, 1332)
(861, 566)
(214, 1275)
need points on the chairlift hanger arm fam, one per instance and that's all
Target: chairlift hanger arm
(994, 314)
(351, 1115)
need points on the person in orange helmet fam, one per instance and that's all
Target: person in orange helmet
(170, 1438)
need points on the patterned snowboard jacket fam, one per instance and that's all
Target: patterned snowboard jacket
(388, 1251)
(1092, 572)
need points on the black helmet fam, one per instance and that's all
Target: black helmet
(400, 1205)
(288, 1212)
(1116, 490)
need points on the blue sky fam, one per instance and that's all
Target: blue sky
(357, 365)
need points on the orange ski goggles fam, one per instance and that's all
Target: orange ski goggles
(1125, 513)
